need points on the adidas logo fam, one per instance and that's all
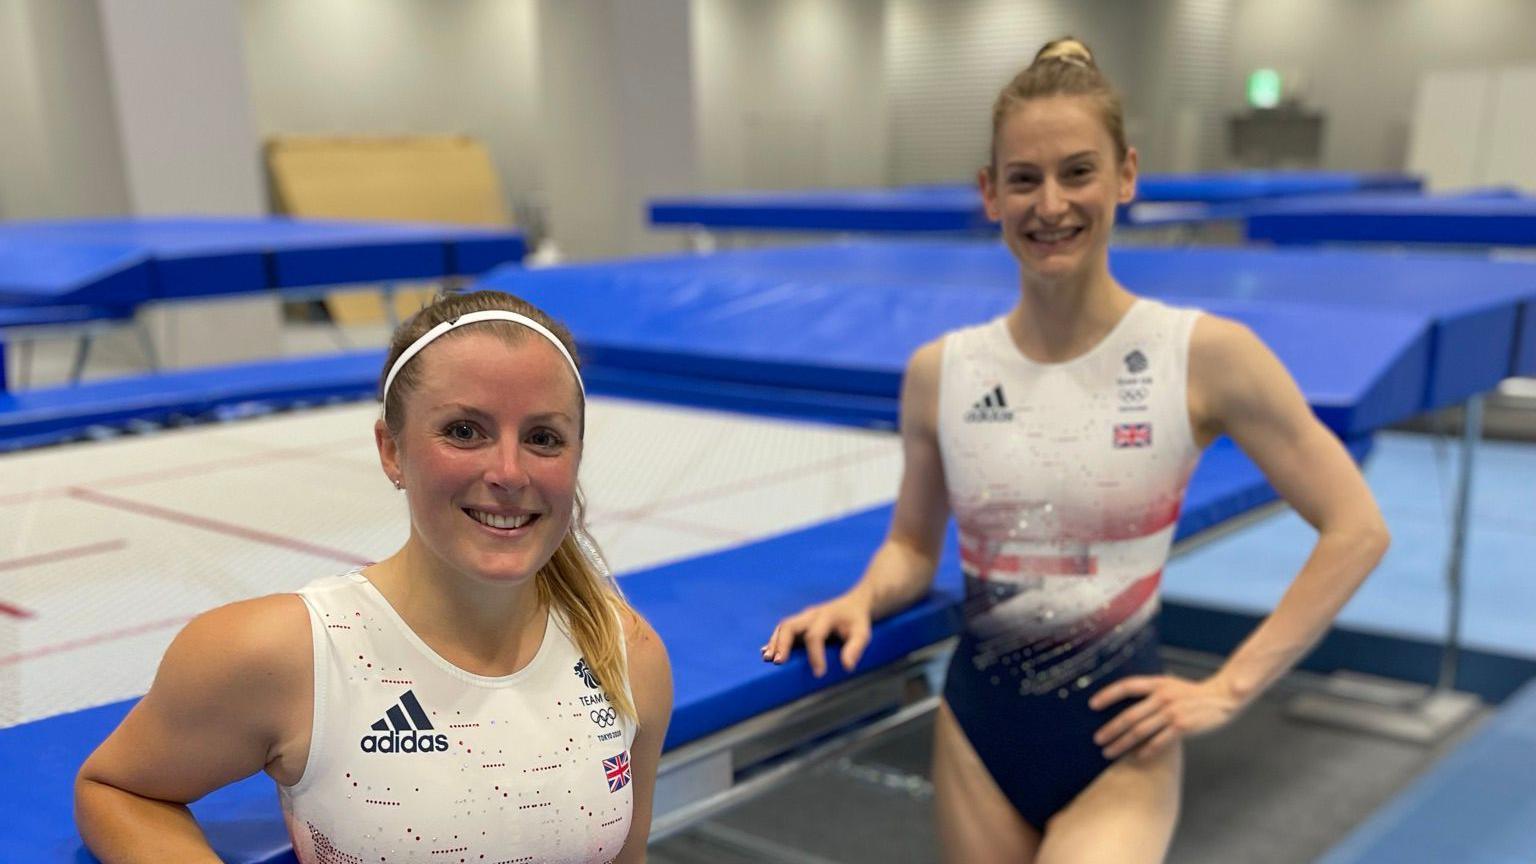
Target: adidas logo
(404, 731)
(991, 408)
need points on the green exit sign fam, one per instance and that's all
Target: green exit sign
(1264, 88)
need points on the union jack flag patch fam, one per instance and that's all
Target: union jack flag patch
(1133, 435)
(617, 770)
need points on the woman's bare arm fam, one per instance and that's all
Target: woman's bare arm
(232, 697)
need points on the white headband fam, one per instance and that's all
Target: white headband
(474, 318)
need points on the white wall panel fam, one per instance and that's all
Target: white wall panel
(1450, 127)
(60, 152)
(401, 67)
(182, 106)
(946, 62)
(1511, 154)
(1361, 61)
(790, 93)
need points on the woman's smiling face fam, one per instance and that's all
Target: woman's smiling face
(1055, 185)
(488, 453)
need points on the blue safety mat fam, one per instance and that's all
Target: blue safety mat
(204, 256)
(917, 209)
(1371, 339)
(1219, 186)
(1476, 804)
(53, 316)
(33, 418)
(36, 273)
(1484, 221)
(785, 332)
(1482, 312)
(958, 208)
(719, 677)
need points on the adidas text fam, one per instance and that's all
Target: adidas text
(394, 742)
(989, 415)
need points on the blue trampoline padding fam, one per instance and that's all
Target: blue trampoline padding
(842, 409)
(48, 316)
(1482, 311)
(33, 273)
(845, 319)
(916, 209)
(1476, 804)
(1223, 186)
(958, 208)
(337, 253)
(204, 256)
(38, 763)
(35, 417)
(1480, 221)
(742, 314)
(719, 678)
(1525, 351)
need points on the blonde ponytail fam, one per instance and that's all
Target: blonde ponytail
(594, 611)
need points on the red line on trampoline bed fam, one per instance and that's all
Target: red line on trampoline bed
(217, 526)
(229, 462)
(56, 555)
(62, 554)
(726, 490)
(196, 469)
(95, 639)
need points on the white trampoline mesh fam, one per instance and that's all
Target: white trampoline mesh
(106, 549)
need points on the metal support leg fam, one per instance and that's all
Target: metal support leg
(1472, 432)
(147, 346)
(702, 241)
(24, 364)
(82, 354)
(1394, 709)
(390, 313)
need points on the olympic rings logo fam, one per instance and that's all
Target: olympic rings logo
(1133, 394)
(604, 717)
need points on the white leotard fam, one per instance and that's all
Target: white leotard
(414, 759)
(1066, 480)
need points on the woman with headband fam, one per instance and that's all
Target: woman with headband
(485, 693)
(1062, 436)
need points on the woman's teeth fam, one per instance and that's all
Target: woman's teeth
(1053, 235)
(500, 521)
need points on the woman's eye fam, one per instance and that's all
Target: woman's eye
(545, 439)
(461, 432)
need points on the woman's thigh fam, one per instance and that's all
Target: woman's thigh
(1126, 815)
(977, 824)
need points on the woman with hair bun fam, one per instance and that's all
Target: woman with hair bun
(1062, 436)
(483, 694)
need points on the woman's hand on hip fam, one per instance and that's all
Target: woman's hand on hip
(1166, 709)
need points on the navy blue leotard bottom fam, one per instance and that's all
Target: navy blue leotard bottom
(1039, 747)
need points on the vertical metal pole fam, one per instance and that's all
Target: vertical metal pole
(1472, 432)
(82, 354)
(147, 345)
(390, 314)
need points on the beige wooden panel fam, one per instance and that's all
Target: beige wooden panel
(432, 178)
